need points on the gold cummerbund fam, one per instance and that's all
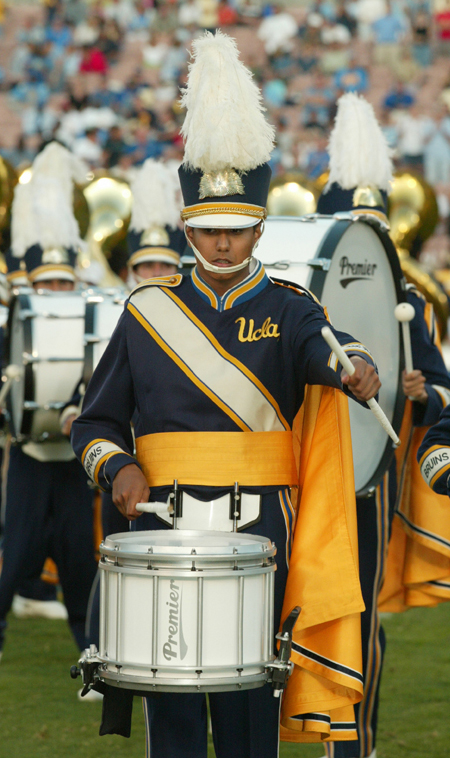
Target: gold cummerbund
(217, 459)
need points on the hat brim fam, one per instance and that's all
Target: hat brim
(222, 221)
(157, 256)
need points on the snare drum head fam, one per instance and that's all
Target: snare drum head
(182, 543)
(360, 291)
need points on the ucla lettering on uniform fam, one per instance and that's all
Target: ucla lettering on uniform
(253, 335)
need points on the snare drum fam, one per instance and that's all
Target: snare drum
(46, 337)
(186, 611)
(349, 262)
(103, 310)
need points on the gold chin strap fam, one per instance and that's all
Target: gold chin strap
(221, 269)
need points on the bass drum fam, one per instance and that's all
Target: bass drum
(350, 264)
(46, 338)
(103, 310)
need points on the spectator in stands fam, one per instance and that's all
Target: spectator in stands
(59, 34)
(93, 61)
(354, 78)
(317, 158)
(436, 154)
(442, 22)
(421, 31)
(389, 32)
(398, 97)
(114, 147)
(318, 99)
(413, 133)
(226, 14)
(307, 59)
(344, 18)
(274, 91)
(75, 11)
(88, 148)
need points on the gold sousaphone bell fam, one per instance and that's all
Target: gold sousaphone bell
(292, 194)
(413, 211)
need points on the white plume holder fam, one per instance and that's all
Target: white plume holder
(345, 361)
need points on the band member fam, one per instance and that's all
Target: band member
(434, 455)
(48, 500)
(155, 242)
(216, 366)
(360, 176)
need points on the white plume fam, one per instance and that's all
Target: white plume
(359, 153)
(154, 199)
(42, 209)
(225, 125)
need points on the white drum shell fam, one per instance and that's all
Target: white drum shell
(361, 305)
(47, 339)
(186, 611)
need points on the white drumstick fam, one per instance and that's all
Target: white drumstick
(378, 412)
(12, 373)
(154, 508)
(404, 313)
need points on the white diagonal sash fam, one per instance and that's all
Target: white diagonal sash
(223, 380)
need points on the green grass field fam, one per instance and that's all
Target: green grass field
(40, 716)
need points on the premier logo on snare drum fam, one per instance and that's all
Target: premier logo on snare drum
(175, 646)
(354, 272)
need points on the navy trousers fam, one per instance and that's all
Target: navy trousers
(48, 513)
(244, 724)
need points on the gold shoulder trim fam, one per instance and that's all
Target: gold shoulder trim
(159, 281)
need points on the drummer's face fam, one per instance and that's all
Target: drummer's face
(55, 285)
(224, 248)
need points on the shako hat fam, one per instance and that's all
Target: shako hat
(225, 176)
(153, 234)
(360, 160)
(17, 274)
(44, 230)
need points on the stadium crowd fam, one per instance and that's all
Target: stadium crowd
(104, 77)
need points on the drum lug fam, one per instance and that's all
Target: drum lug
(281, 668)
(176, 496)
(235, 506)
(87, 668)
(90, 339)
(26, 314)
(319, 264)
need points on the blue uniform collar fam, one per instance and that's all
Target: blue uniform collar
(254, 283)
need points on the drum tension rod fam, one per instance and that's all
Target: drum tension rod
(87, 668)
(281, 668)
(235, 506)
(176, 497)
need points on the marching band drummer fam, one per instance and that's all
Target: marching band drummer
(360, 177)
(48, 500)
(204, 359)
